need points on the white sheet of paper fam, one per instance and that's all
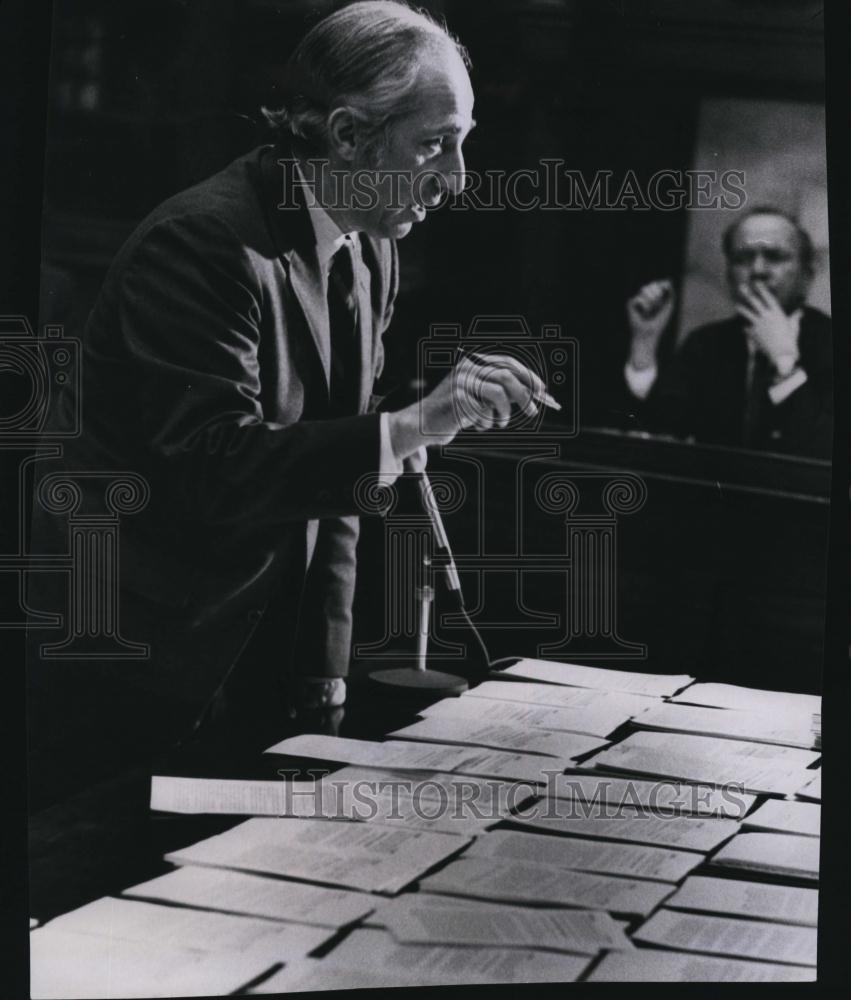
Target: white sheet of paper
(201, 930)
(555, 696)
(785, 904)
(758, 727)
(730, 936)
(632, 860)
(254, 895)
(770, 703)
(501, 736)
(369, 856)
(402, 755)
(595, 720)
(686, 833)
(439, 965)
(787, 816)
(649, 965)
(64, 964)
(811, 788)
(313, 974)
(583, 932)
(369, 753)
(751, 774)
(662, 796)
(781, 853)
(719, 748)
(521, 882)
(599, 678)
(233, 797)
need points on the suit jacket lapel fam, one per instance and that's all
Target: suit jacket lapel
(294, 238)
(364, 300)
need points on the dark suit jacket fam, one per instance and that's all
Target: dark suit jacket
(206, 370)
(701, 387)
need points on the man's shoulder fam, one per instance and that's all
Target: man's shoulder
(231, 201)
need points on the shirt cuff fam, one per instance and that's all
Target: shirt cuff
(782, 390)
(640, 381)
(389, 466)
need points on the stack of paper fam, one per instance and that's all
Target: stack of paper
(647, 965)
(553, 696)
(768, 703)
(596, 719)
(201, 930)
(756, 767)
(665, 797)
(256, 896)
(687, 833)
(412, 920)
(758, 727)
(785, 816)
(523, 882)
(728, 936)
(785, 904)
(632, 860)
(713, 748)
(376, 951)
(574, 675)
(402, 755)
(367, 856)
(773, 853)
(105, 967)
(501, 736)
(359, 801)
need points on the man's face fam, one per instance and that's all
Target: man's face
(421, 158)
(765, 251)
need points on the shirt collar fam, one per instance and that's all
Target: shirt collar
(329, 237)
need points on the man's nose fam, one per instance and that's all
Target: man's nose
(455, 175)
(448, 178)
(759, 266)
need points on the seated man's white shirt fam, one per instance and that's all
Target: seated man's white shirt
(641, 380)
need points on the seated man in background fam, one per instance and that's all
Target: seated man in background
(761, 379)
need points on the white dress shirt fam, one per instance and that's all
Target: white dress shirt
(329, 238)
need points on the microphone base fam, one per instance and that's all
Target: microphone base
(410, 680)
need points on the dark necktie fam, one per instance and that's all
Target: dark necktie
(343, 328)
(757, 403)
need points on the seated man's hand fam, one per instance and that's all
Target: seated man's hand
(648, 313)
(768, 326)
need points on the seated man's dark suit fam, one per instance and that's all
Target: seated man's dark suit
(701, 390)
(206, 364)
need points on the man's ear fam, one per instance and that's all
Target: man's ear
(342, 133)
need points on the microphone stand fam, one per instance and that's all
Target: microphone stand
(420, 678)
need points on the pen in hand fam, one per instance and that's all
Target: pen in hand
(539, 395)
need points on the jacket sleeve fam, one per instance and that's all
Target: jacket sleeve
(189, 311)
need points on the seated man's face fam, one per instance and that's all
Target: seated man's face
(422, 158)
(765, 250)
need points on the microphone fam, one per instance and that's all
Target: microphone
(446, 561)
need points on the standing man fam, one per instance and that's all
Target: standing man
(230, 360)
(761, 379)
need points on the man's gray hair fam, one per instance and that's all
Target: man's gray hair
(365, 57)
